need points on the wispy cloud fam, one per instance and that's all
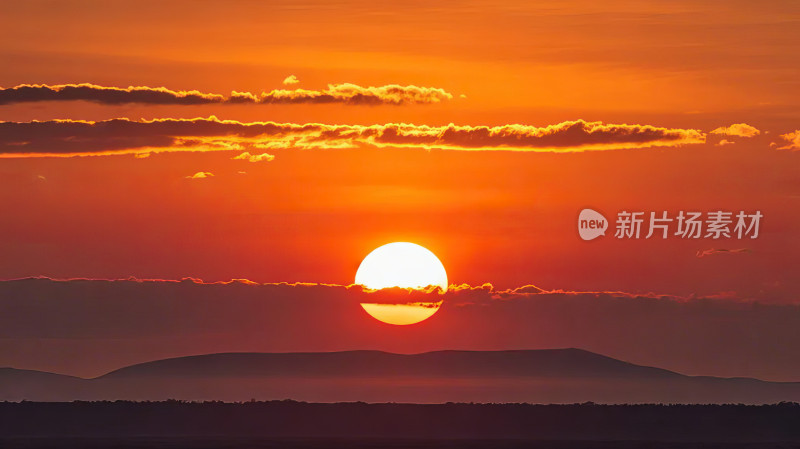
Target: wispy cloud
(350, 94)
(737, 130)
(291, 79)
(794, 141)
(345, 93)
(263, 157)
(26, 93)
(724, 142)
(77, 137)
(200, 175)
(712, 251)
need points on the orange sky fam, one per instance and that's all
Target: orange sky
(310, 215)
(650, 81)
(687, 63)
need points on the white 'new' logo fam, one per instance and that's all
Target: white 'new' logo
(591, 224)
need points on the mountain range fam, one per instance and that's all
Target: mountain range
(534, 376)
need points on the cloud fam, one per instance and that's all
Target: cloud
(354, 94)
(201, 175)
(794, 140)
(25, 93)
(712, 251)
(526, 289)
(93, 326)
(291, 79)
(120, 136)
(344, 93)
(737, 130)
(263, 157)
(724, 142)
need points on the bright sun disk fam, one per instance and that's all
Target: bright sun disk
(405, 265)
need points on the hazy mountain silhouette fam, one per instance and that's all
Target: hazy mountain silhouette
(539, 376)
(16, 384)
(532, 363)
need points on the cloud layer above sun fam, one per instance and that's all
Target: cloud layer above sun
(345, 93)
(78, 137)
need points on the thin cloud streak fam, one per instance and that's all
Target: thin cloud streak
(737, 130)
(27, 93)
(344, 93)
(263, 157)
(712, 251)
(120, 136)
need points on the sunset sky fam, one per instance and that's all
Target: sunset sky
(281, 142)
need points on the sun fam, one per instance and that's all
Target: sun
(401, 264)
(406, 265)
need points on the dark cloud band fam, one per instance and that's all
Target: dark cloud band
(115, 323)
(74, 137)
(345, 93)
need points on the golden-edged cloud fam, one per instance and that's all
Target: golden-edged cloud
(26, 93)
(200, 175)
(263, 157)
(119, 136)
(793, 140)
(345, 93)
(291, 79)
(737, 130)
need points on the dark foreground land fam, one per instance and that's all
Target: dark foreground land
(290, 424)
(366, 443)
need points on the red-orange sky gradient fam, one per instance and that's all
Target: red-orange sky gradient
(282, 142)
